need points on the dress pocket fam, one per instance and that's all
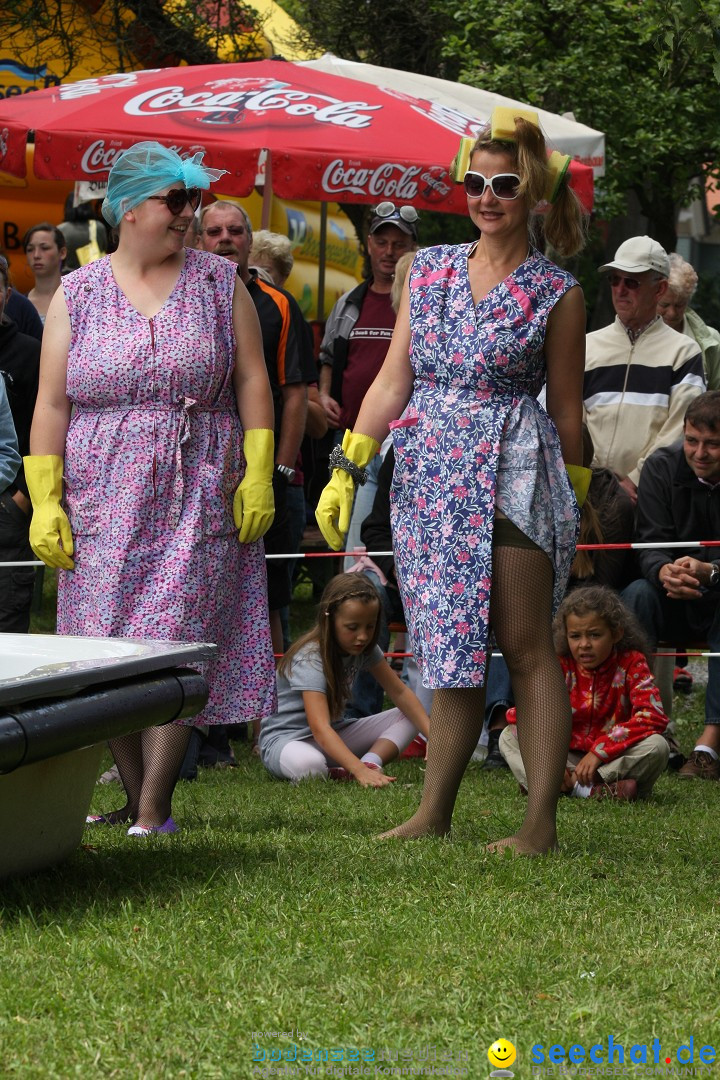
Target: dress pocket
(87, 511)
(217, 493)
(404, 437)
(403, 422)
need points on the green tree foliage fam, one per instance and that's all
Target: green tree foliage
(643, 71)
(391, 33)
(128, 34)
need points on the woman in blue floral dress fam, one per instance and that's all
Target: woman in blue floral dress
(484, 514)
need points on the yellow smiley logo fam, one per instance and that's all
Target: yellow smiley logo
(501, 1054)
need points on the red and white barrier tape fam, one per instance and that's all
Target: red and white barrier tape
(387, 554)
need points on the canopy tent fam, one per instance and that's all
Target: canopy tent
(327, 137)
(582, 143)
(314, 136)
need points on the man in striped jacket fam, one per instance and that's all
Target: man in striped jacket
(640, 375)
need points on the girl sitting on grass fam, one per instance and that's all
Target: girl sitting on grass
(308, 735)
(616, 747)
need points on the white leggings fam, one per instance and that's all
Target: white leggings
(303, 758)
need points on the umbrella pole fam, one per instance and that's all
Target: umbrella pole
(321, 262)
(267, 194)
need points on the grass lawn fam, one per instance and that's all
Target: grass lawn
(275, 911)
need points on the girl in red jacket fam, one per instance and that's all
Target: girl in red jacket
(617, 749)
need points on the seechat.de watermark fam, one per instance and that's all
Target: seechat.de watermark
(609, 1057)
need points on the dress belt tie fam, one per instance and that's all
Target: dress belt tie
(183, 434)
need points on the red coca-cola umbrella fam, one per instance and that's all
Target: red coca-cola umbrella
(327, 138)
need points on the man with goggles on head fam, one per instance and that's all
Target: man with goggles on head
(640, 375)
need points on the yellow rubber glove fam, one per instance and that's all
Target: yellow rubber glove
(50, 536)
(580, 479)
(253, 505)
(336, 501)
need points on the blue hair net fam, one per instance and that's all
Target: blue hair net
(146, 168)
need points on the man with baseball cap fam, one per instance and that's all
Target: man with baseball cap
(640, 375)
(360, 326)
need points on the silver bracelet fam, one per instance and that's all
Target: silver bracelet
(337, 460)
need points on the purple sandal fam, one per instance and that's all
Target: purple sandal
(168, 826)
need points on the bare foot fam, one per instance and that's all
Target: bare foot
(414, 829)
(517, 846)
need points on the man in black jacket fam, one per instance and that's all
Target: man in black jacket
(225, 229)
(678, 597)
(19, 367)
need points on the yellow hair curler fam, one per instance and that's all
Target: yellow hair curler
(502, 121)
(558, 164)
(461, 162)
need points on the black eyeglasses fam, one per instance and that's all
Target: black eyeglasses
(503, 186)
(389, 209)
(177, 199)
(214, 231)
(631, 283)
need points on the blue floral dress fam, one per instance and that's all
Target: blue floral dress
(472, 438)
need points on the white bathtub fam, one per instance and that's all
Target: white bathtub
(46, 681)
(23, 654)
(44, 665)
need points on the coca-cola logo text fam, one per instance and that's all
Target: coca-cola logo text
(390, 180)
(448, 117)
(387, 179)
(85, 87)
(99, 157)
(322, 109)
(436, 179)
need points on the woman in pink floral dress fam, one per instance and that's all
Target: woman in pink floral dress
(484, 515)
(157, 351)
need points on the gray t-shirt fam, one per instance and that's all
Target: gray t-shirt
(290, 721)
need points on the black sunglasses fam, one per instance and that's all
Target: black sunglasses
(503, 186)
(177, 199)
(616, 280)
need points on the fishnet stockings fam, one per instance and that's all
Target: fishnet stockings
(520, 612)
(456, 720)
(149, 764)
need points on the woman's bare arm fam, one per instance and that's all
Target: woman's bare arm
(565, 359)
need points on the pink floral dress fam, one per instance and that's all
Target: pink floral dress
(474, 437)
(152, 460)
